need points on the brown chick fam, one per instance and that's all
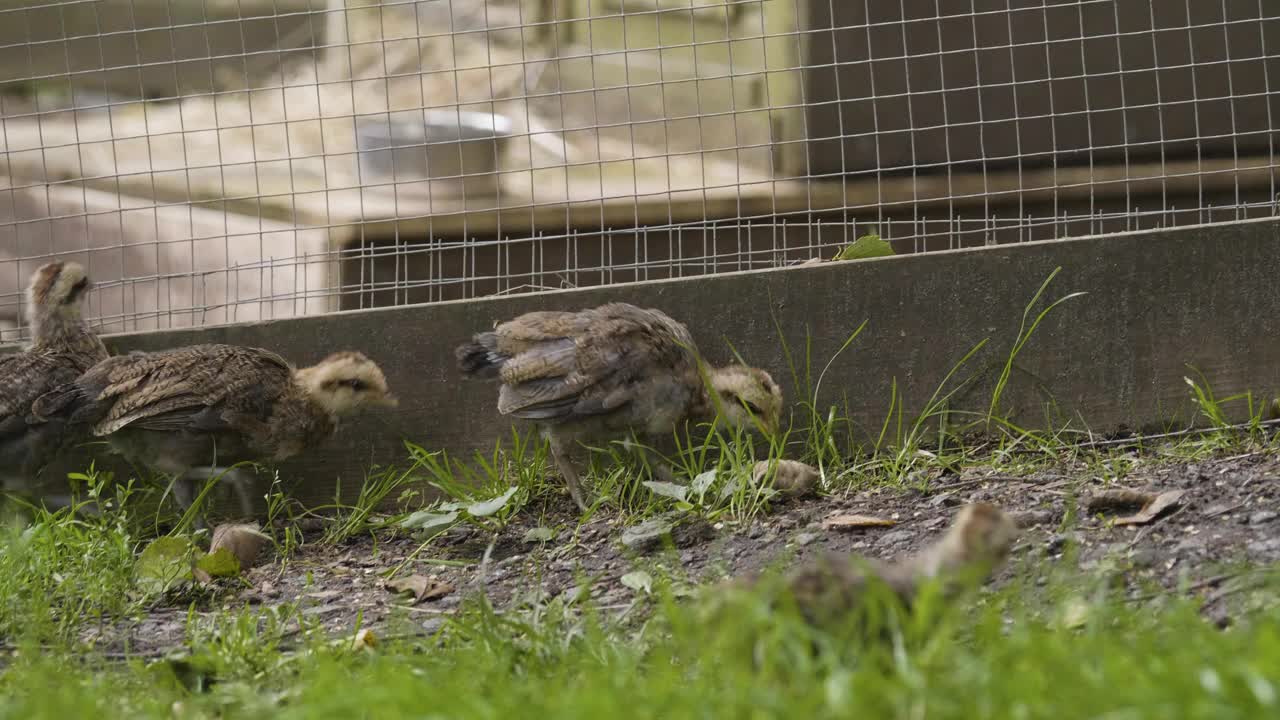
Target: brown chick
(973, 548)
(606, 372)
(194, 411)
(62, 347)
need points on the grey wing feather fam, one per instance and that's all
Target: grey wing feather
(591, 367)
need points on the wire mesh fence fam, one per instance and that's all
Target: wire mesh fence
(217, 161)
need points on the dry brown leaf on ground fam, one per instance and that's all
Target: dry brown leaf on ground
(1154, 509)
(792, 479)
(855, 522)
(243, 541)
(422, 588)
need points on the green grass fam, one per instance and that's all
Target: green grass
(1007, 657)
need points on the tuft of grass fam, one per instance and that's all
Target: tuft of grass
(72, 566)
(361, 517)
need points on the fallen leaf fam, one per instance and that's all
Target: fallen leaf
(1117, 499)
(165, 563)
(422, 588)
(647, 534)
(640, 581)
(219, 563)
(364, 640)
(1074, 614)
(855, 522)
(539, 535)
(1154, 509)
(790, 477)
(244, 542)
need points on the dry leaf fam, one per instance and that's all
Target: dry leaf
(1118, 499)
(364, 640)
(791, 479)
(1154, 509)
(243, 541)
(855, 522)
(420, 587)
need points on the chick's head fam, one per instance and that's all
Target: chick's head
(748, 395)
(347, 382)
(983, 534)
(58, 287)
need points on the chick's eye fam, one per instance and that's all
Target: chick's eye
(752, 407)
(354, 384)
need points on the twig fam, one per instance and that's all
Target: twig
(483, 571)
(1198, 585)
(1224, 591)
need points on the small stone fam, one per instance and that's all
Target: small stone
(894, 537)
(1267, 548)
(1058, 542)
(1144, 559)
(1262, 517)
(432, 625)
(1217, 509)
(1195, 543)
(1035, 518)
(805, 538)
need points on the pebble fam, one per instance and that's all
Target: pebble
(1262, 517)
(893, 537)
(1058, 542)
(805, 538)
(1144, 559)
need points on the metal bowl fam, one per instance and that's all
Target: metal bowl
(456, 150)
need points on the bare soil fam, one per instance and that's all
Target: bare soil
(1227, 516)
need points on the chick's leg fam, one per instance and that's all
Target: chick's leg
(654, 457)
(241, 483)
(560, 454)
(184, 493)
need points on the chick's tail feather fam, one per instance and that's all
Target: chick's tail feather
(480, 357)
(56, 403)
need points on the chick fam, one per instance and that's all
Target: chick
(193, 411)
(62, 347)
(604, 373)
(973, 548)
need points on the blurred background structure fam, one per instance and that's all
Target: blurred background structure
(216, 161)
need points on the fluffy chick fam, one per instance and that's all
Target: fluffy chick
(62, 347)
(973, 548)
(193, 411)
(606, 372)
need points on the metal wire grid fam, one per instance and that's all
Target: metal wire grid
(751, 134)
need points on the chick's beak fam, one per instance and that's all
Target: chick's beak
(390, 401)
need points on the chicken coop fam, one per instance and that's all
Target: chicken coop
(215, 162)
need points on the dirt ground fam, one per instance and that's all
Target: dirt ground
(1227, 515)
